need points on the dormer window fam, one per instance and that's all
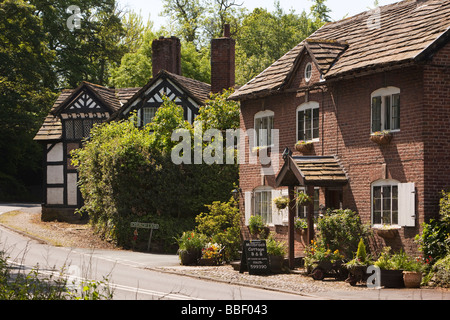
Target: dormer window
(308, 71)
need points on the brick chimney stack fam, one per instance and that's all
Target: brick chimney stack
(223, 61)
(166, 55)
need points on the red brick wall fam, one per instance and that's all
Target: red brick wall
(436, 128)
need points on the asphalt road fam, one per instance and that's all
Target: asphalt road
(125, 271)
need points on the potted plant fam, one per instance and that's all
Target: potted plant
(281, 202)
(321, 261)
(257, 227)
(300, 224)
(190, 248)
(412, 273)
(302, 199)
(357, 267)
(211, 254)
(276, 250)
(391, 268)
(304, 146)
(381, 137)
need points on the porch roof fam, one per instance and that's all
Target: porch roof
(320, 171)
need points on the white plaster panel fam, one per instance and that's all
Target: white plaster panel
(55, 174)
(55, 195)
(72, 198)
(56, 153)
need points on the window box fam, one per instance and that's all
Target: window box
(304, 146)
(387, 233)
(381, 137)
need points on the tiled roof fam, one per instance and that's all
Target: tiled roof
(397, 33)
(114, 99)
(319, 171)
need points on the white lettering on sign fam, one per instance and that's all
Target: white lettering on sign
(144, 225)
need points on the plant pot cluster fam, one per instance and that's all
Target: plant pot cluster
(395, 270)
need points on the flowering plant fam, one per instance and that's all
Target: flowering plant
(300, 223)
(212, 251)
(317, 253)
(191, 240)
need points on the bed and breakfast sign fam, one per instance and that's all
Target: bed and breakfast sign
(254, 257)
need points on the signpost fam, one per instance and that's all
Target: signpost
(254, 257)
(142, 225)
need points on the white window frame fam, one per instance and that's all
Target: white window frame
(405, 203)
(384, 184)
(308, 71)
(316, 201)
(148, 113)
(384, 94)
(258, 207)
(311, 105)
(259, 141)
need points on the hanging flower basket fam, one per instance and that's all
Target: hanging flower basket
(381, 137)
(281, 202)
(303, 146)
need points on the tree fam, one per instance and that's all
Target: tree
(26, 80)
(265, 36)
(85, 53)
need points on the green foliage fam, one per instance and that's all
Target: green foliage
(302, 199)
(361, 253)
(36, 285)
(127, 174)
(434, 241)
(398, 261)
(192, 241)
(26, 82)
(317, 252)
(444, 207)
(275, 247)
(440, 273)
(221, 225)
(256, 225)
(342, 230)
(300, 223)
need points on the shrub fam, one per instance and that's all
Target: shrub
(440, 273)
(275, 247)
(434, 241)
(342, 230)
(127, 174)
(221, 224)
(256, 225)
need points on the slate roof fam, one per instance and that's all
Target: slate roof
(404, 32)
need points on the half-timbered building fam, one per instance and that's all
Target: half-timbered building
(76, 111)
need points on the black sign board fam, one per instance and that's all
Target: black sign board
(254, 257)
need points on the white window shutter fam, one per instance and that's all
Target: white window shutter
(406, 205)
(276, 213)
(248, 206)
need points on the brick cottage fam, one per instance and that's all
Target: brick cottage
(370, 96)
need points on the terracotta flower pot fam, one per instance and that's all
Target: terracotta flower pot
(412, 279)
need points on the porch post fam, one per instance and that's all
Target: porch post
(291, 252)
(310, 213)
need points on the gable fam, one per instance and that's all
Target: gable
(152, 97)
(84, 102)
